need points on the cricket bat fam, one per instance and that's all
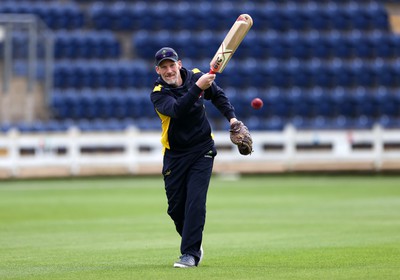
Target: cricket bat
(231, 42)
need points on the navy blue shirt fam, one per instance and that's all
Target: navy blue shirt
(185, 127)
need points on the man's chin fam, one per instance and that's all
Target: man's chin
(171, 82)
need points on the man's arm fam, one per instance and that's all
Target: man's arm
(174, 108)
(220, 101)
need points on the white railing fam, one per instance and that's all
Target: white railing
(134, 152)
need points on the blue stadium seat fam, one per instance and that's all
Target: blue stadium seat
(322, 48)
(277, 20)
(54, 126)
(300, 122)
(389, 122)
(103, 105)
(111, 76)
(324, 76)
(364, 48)
(98, 72)
(299, 19)
(262, 47)
(279, 49)
(388, 103)
(321, 103)
(363, 122)
(344, 76)
(275, 104)
(118, 103)
(365, 103)
(342, 123)
(254, 123)
(301, 48)
(87, 105)
(320, 123)
(84, 125)
(274, 123)
(79, 106)
(299, 104)
(384, 46)
(281, 77)
(379, 18)
(387, 76)
(58, 107)
(145, 105)
(341, 20)
(302, 76)
(148, 124)
(320, 19)
(142, 45)
(100, 16)
(342, 48)
(122, 17)
(361, 20)
(343, 102)
(365, 76)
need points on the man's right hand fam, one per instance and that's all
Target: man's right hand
(205, 81)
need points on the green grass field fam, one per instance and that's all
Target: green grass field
(261, 227)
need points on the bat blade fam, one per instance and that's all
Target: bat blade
(231, 42)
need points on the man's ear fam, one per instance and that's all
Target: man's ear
(157, 70)
(180, 64)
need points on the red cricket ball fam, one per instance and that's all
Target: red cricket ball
(257, 103)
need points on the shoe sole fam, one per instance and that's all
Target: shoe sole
(180, 265)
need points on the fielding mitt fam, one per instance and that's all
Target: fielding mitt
(241, 137)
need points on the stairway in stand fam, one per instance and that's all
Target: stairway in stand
(19, 105)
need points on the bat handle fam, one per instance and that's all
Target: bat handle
(212, 72)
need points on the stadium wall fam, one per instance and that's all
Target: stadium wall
(133, 152)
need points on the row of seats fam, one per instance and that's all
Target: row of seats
(319, 123)
(105, 106)
(339, 103)
(86, 45)
(239, 74)
(316, 102)
(253, 123)
(272, 45)
(142, 15)
(72, 45)
(54, 14)
(306, 104)
(325, 76)
(219, 16)
(103, 74)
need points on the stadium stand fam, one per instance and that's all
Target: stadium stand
(317, 64)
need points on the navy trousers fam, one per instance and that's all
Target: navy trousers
(186, 181)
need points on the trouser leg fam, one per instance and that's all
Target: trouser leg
(195, 209)
(175, 187)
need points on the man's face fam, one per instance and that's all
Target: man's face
(169, 72)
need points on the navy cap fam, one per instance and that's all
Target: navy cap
(166, 53)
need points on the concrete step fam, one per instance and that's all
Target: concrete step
(20, 105)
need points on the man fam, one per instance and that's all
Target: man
(178, 98)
